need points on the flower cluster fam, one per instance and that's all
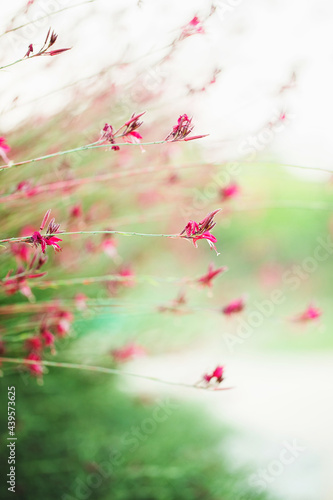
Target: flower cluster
(129, 134)
(50, 40)
(59, 321)
(49, 239)
(201, 230)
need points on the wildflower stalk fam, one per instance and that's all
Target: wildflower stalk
(109, 371)
(45, 17)
(75, 150)
(26, 239)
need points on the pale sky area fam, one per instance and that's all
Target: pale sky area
(256, 44)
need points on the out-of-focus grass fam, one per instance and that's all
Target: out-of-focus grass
(78, 438)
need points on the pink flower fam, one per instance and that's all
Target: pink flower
(183, 128)
(21, 251)
(176, 305)
(76, 211)
(43, 241)
(234, 307)
(231, 191)
(47, 240)
(109, 246)
(198, 231)
(48, 337)
(212, 273)
(127, 272)
(310, 314)
(217, 374)
(128, 352)
(18, 282)
(34, 344)
(30, 50)
(81, 301)
(4, 149)
(192, 28)
(35, 369)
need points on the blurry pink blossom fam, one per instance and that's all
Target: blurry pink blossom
(128, 352)
(234, 307)
(212, 273)
(310, 314)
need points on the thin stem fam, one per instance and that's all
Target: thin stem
(122, 233)
(75, 150)
(98, 279)
(109, 371)
(46, 16)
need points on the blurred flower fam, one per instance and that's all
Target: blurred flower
(198, 231)
(47, 338)
(4, 149)
(194, 27)
(76, 211)
(230, 191)
(35, 369)
(109, 246)
(34, 344)
(176, 305)
(81, 301)
(127, 272)
(212, 273)
(310, 314)
(234, 307)
(62, 322)
(18, 282)
(21, 251)
(217, 374)
(128, 352)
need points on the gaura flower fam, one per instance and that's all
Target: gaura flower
(234, 307)
(181, 131)
(201, 230)
(206, 279)
(49, 239)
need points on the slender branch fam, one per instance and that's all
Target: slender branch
(98, 279)
(70, 183)
(75, 150)
(45, 17)
(122, 233)
(109, 371)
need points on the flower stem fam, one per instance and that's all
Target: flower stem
(109, 371)
(25, 239)
(75, 150)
